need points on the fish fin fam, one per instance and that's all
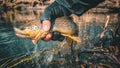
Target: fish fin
(75, 38)
(37, 38)
(74, 17)
(70, 41)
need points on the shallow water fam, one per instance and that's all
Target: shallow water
(21, 53)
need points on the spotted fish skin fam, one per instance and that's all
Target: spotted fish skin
(64, 25)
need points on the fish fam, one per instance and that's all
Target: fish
(64, 25)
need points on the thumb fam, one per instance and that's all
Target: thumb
(46, 24)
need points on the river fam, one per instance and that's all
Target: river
(16, 52)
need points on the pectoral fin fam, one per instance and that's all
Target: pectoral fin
(38, 37)
(34, 41)
(75, 38)
(69, 40)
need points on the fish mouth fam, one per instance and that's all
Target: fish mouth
(23, 34)
(20, 33)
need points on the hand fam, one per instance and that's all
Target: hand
(55, 36)
(46, 25)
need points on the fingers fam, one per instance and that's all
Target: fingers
(46, 24)
(48, 37)
(56, 36)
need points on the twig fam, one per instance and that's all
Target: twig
(34, 55)
(116, 59)
(105, 27)
(117, 26)
(98, 51)
(73, 55)
(4, 64)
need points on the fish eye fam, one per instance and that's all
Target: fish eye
(22, 28)
(35, 27)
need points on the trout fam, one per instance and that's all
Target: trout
(33, 29)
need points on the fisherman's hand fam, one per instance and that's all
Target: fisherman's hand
(46, 25)
(51, 13)
(55, 36)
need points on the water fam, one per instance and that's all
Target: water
(35, 48)
(36, 59)
(21, 53)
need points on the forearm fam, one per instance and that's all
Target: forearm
(66, 7)
(79, 7)
(53, 11)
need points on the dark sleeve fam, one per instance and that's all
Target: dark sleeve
(78, 7)
(66, 7)
(53, 11)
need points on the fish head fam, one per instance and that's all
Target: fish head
(32, 30)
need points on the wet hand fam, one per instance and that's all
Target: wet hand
(46, 25)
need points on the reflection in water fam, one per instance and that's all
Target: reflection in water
(36, 59)
(21, 53)
(20, 16)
